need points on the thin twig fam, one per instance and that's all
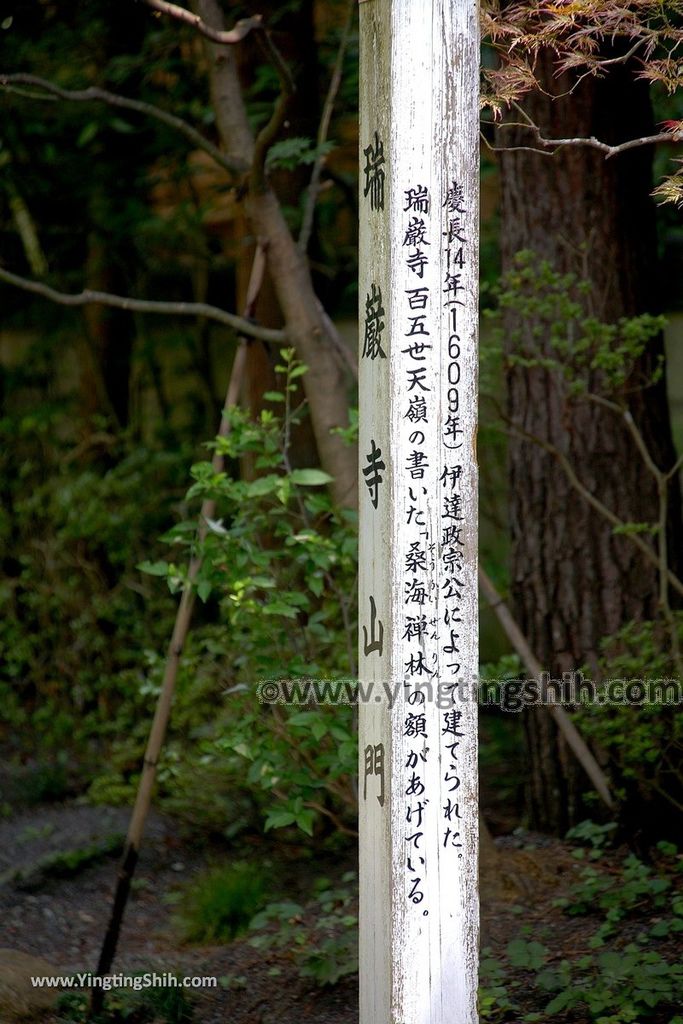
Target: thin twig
(242, 28)
(112, 99)
(595, 503)
(87, 298)
(513, 149)
(635, 433)
(676, 468)
(323, 129)
(266, 137)
(604, 147)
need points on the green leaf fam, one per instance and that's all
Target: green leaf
(304, 820)
(263, 485)
(279, 819)
(154, 568)
(529, 955)
(319, 730)
(291, 153)
(88, 133)
(119, 125)
(310, 477)
(280, 608)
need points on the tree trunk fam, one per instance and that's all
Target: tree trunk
(572, 581)
(307, 327)
(105, 374)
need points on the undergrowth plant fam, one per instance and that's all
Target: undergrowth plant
(319, 939)
(604, 364)
(158, 1005)
(221, 902)
(278, 573)
(625, 979)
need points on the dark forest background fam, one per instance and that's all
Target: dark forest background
(108, 425)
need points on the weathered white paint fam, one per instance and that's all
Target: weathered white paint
(419, 93)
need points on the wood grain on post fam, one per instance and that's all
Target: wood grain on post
(418, 288)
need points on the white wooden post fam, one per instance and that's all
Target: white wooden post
(418, 287)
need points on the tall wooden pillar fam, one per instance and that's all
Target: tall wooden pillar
(419, 184)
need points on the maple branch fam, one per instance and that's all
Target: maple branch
(87, 297)
(604, 147)
(242, 28)
(112, 99)
(513, 149)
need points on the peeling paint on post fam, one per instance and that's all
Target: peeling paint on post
(418, 287)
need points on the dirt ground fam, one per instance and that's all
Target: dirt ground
(61, 919)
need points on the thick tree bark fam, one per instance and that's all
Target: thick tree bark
(572, 581)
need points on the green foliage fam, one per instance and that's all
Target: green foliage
(321, 938)
(495, 1000)
(75, 530)
(62, 864)
(625, 984)
(618, 895)
(158, 1005)
(84, 634)
(556, 331)
(279, 562)
(219, 904)
(294, 152)
(594, 835)
(643, 741)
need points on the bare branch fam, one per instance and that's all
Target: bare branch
(85, 298)
(635, 433)
(595, 503)
(266, 137)
(513, 149)
(676, 468)
(242, 28)
(348, 356)
(232, 165)
(323, 129)
(604, 147)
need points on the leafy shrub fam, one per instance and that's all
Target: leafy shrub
(644, 742)
(321, 938)
(74, 621)
(219, 904)
(624, 985)
(553, 313)
(279, 565)
(126, 1006)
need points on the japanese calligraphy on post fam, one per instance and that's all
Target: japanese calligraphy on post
(418, 647)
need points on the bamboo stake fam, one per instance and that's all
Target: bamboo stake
(564, 723)
(162, 712)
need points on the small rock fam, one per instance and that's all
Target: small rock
(19, 999)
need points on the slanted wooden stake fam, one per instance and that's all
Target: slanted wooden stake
(419, 172)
